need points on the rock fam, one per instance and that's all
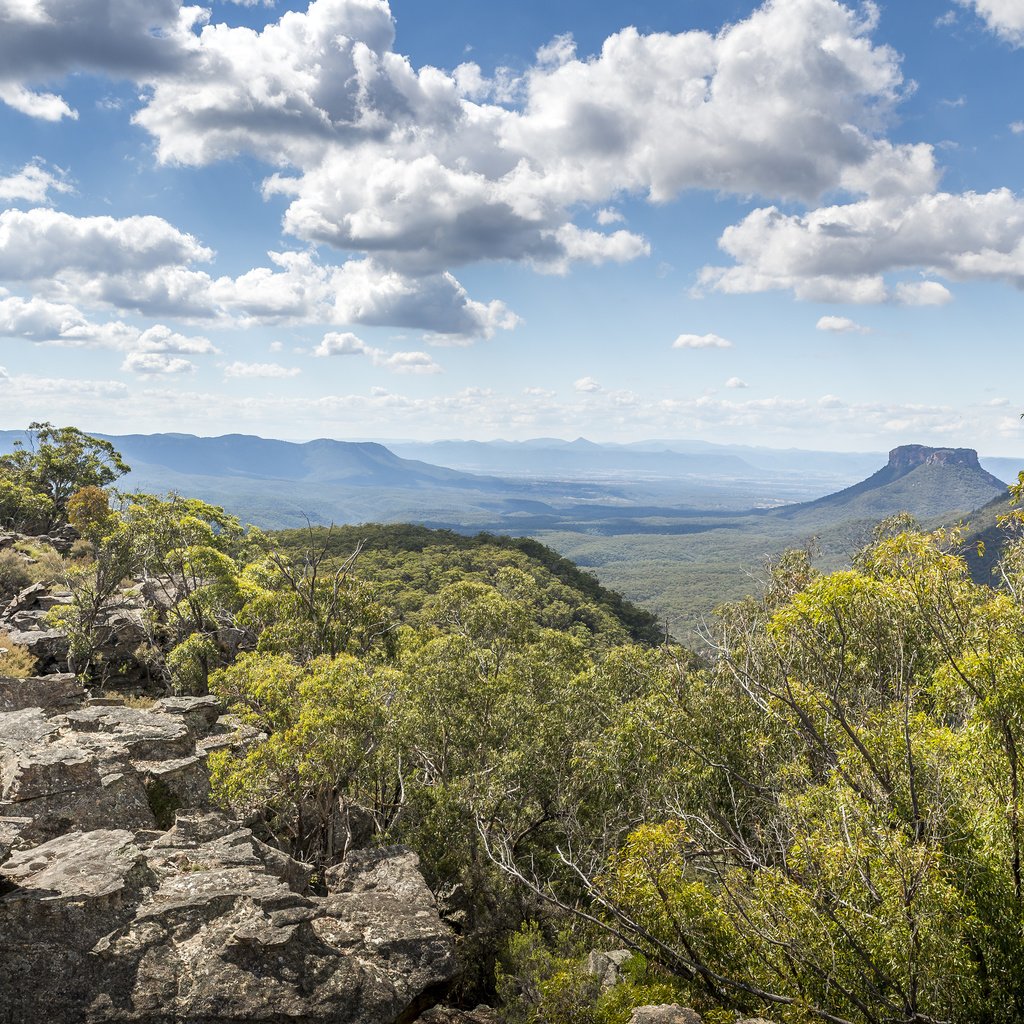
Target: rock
(26, 599)
(667, 1013)
(200, 714)
(48, 646)
(10, 830)
(53, 692)
(449, 1015)
(606, 966)
(197, 925)
(124, 898)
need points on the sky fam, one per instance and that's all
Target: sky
(798, 224)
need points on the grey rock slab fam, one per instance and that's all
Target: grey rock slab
(79, 865)
(667, 1013)
(59, 691)
(200, 714)
(144, 733)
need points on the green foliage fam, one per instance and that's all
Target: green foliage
(38, 480)
(21, 507)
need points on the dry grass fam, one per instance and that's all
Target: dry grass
(15, 661)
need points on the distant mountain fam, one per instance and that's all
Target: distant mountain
(550, 457)
(926, 482)
(243, 456)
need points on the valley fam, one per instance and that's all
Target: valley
(677, 526)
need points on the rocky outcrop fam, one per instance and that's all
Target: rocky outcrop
(125, 897)
(909, 456)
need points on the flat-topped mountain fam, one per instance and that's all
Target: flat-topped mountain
(923, 481)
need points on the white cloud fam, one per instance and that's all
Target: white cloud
(41, 321)
(1017, 127)
(841, 325)
(156, 364)
(268, 371)
(162, 339)
(418, 171)
(736, 382)
(701, 341)
(415, 169)
(922, 293)
(608, 215)
(33, 184)
(587, 386)
(842, 253)
(348, 344)
(42, 243)
(46, 106)
(44, 41)
(1004, 17)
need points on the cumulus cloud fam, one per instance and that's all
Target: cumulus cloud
(156, 364)
(587, 386)
(418, 171)
(33, 184)
(841, 325)
(42, 243)
(842, 253)
(146, 265)
(1004, 17)
(736, 382)
(701, 341)
(268, 371)
(57, 323)
(43, 40)
(348, 344)
(414, 167)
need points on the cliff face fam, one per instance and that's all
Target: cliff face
(909, 456)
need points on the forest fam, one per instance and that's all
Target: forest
(816, 816)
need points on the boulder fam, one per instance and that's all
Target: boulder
(607, 966)
(48, 646)
(26, 599)
(200, 714)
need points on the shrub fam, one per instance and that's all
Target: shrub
(14, 574)
(15, 661)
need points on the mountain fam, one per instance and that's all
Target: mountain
(550, 457)
(926, 482)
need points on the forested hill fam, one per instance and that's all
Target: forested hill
(416, 562)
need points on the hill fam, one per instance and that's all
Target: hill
(926, 482)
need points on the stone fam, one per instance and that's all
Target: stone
(194, 926)
(53, 692)
(606, 966)
(667, 1013)
(200, 714)
(26, 599)
(48, 646)
(450, 1015)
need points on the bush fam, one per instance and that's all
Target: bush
(14, 574)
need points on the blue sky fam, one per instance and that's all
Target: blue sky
(795, 223)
